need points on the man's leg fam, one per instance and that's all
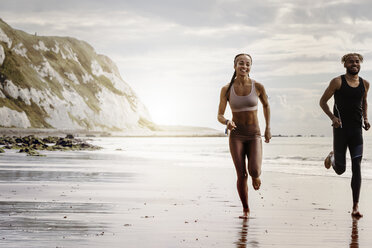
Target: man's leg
(339, 149)
(356, 154)
(356, 179)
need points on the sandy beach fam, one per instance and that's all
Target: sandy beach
(92, 199)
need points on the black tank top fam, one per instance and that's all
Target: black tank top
(348, 103)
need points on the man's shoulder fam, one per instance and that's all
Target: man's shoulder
(366, 83)
(336, 82)
(337, 79)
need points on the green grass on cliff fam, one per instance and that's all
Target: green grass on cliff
(21, 72)
(35, 114)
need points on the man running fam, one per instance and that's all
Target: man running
(349, 115)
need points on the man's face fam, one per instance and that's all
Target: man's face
(352, 65)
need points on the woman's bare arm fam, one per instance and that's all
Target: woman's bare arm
(266, 110)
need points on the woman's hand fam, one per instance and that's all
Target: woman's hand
(230, 125)
(267, 135)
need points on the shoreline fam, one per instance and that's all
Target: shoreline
(172, 132)
(43, 132)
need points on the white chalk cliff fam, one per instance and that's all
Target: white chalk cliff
(60, 82)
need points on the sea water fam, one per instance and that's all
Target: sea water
(294, 155)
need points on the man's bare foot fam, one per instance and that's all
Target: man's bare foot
(256, 182)
(328, 160)
(356, 213)
(245, 214)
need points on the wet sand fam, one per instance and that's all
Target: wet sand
(91, 199)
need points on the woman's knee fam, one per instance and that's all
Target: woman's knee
(242, 177)
(255, 172)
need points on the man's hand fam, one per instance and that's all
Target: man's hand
(366, 124)
(336, 122)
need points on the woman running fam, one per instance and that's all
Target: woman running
(243, 93)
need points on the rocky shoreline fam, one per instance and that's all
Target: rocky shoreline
(165, 131)
(31, 144)
(45, 132)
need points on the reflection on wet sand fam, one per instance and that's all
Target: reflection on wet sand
(354, 234)
(243, 236)
(49, 203)
(67, 176)
(44, 222)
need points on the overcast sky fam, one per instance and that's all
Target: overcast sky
(177, 55)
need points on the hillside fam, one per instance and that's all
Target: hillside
(62, 83)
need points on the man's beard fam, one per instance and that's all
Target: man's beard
(352, 72)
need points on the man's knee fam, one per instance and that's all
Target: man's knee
(339, 164)
(339, 168)
(355, 165)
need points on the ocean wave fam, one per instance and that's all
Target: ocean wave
(300, 158)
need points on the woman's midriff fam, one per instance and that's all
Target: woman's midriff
(245, 118)
(247, 127)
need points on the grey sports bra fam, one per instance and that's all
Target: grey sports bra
(243, 103)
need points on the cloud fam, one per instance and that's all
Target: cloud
(178, 54)
(297, 111)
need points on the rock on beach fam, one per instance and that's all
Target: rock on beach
(31, 144)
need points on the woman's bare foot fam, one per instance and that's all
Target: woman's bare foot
(245, 214)
(256, 182)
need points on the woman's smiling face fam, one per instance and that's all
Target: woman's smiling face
(243, 65)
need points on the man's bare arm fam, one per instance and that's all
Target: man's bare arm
(334, 85)
(365, 106)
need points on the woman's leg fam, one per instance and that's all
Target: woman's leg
(254, 151)
(238, 155)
